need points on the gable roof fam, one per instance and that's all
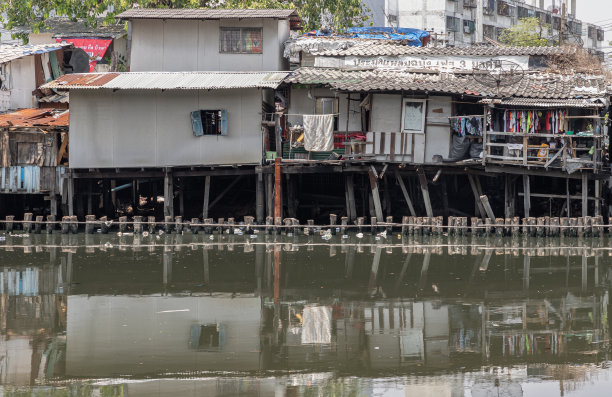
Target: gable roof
(532, 85)
(206, 13)
(168, 80)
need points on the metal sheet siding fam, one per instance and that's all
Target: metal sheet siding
(130, 128)
(194, 13)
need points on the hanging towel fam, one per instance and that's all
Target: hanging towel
(319, 132)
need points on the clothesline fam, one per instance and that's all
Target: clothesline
(467, 115)
(304, 114)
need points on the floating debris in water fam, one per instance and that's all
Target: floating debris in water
(289, 234)
(326, 235)
(211, 238)
(345, 236)
(252, 236)
(359, 235)
(145, 234)
(2, 238)
(383, 234)
(238, 232)
(160, 232)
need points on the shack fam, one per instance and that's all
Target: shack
(33, 154)
(24, 68)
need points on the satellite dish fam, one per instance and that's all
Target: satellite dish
(497, 73)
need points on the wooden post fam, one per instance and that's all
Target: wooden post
(151, 224)
(65, 224)
(38, 224)
(207, 196)
(373, 224)
(90, 223)
(405, 221)
(248, 221)
(597, 198)
(585, 194)
(70, 198)
(260, 212)
(389, 221)
(269, 223)
(400, 181)
(27, 222)
(526, 195)
(9, 223)
(477, 195)
(333, 218)
(567, 198)
(343, 223)
(485, 203)
(168, 193)
(360, 221)
(350, 193)
(425, 192)
(278, 201)
(178, 224)
(310, 228)
(50, 223)
(270, 195)
(278, 138)
(375, 196)
(137, 224)
(122, 224)
(167, 224)
(195, 225)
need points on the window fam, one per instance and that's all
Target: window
(452, 24)
(592, 32)
(469, 3)
(328, 105)
(209, 122)
(241, 40)
(468, 27)
(556, 23)
(488, 7)
(209, 337)
(413, 116)
(503, 8)
(489, 32)
(600, 34)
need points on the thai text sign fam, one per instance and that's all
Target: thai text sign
(443, 64)
(95, 48)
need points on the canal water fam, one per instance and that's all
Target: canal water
(263, 315)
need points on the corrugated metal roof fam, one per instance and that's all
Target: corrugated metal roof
(206, 13)
(546, 103)
(64, 27)
(62, 97)
(169, 80)
(35, 118)
(340, 46)
(10, 52)
(535, 85)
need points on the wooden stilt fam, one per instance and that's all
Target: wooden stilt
(425, 192)
(487, 206)
(375, 195)
(400, 181)
(526, 195)
(291, 196)
(260, 212)
(477, 193)
(90, 223)
(269, 195)
(27, 222)
(50, 223)
(70, 192)
(585, 194)
(350, 197)
(567, 198)
(597, 198)
(168, 193)
(278, 198)
(207, 196)
(137, 224)
(333, 218)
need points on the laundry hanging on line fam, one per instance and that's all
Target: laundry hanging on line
(467, 126)
(533, 121)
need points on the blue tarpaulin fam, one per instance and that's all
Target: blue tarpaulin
(414, 37)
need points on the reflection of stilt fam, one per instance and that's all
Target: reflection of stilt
(424, 270)
(259, 264)
(374, 271)
(475, 268)
(484, 265)
(584, 272)
(398, 282)
(206, 265)
(526, 270)
(167, 268)
(277, 268)
(349, 262)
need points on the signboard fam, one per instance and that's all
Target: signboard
(95, 48)
(438, 63)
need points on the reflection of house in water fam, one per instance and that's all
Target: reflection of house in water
(194, 311)
(112, 335)
(32, 310)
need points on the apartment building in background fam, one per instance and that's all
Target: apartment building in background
(466, 22)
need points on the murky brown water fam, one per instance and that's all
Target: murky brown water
(236, 315)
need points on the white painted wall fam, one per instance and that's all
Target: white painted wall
(109, 335)
(386, 117)
(194, 46)
(23, 83)
(150, 128)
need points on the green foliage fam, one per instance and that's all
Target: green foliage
(339, 14)
(529, 32)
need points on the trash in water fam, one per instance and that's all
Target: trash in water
(345, 236)
(252, 236)
(359, 235)
(145, 234)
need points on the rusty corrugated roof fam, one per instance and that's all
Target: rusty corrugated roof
(35, 118)
(206, 13)
(168, 80)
